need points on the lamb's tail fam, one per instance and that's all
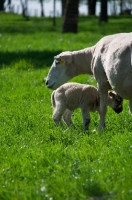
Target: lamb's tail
(53, 99)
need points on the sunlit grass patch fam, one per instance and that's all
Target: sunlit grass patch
(22, 64)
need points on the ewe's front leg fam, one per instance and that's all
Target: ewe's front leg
(86, 118)
(103, 107)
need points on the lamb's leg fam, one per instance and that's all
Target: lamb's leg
(67, 117)
(103, 106)
(86, 118)
(57, 114)
(130, 106)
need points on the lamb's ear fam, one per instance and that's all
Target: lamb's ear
(112, 94)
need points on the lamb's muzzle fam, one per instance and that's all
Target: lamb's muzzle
(118, 104)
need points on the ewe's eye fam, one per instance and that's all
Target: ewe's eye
(57, 62)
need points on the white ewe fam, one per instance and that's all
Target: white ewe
(110, 61)
(112, 68)
(71, 96)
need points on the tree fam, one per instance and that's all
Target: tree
(113, 7)
(2, 5)
(54, 18)
(70, 19)
(103, 14)
(121, 6)
(9, 4)
(63, 3)
(42, 10)
(24, 8)
(126, 6)
(91, 7)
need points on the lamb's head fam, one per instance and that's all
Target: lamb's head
(58, 71)
(115, 102)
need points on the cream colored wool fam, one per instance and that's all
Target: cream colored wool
(71, 96)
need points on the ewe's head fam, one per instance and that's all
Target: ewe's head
(115, 102)
(58, 71)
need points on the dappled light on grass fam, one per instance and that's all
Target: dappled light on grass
(22, 65)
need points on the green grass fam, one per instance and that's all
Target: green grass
(37, 159)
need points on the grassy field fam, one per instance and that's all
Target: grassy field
(37, 159)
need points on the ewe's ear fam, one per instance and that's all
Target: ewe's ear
(59, 59)
(62, 60)
(65, 57)
(112, 94)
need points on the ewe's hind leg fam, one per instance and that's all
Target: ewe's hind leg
(103, 86)
(130, 106)
(86, 118)
(67, 117)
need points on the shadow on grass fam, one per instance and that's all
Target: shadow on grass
(38, 59)
(96, 192)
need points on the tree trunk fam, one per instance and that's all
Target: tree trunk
(63, 3)
(91, 7)
(103, 14)
(2, 5)
(9, 4)
(114, 7)
(24, 8)
(42, 10)
(54, 11)
(70, 20)
(121, 6)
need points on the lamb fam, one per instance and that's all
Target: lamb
(110, 61)
(71, 96)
